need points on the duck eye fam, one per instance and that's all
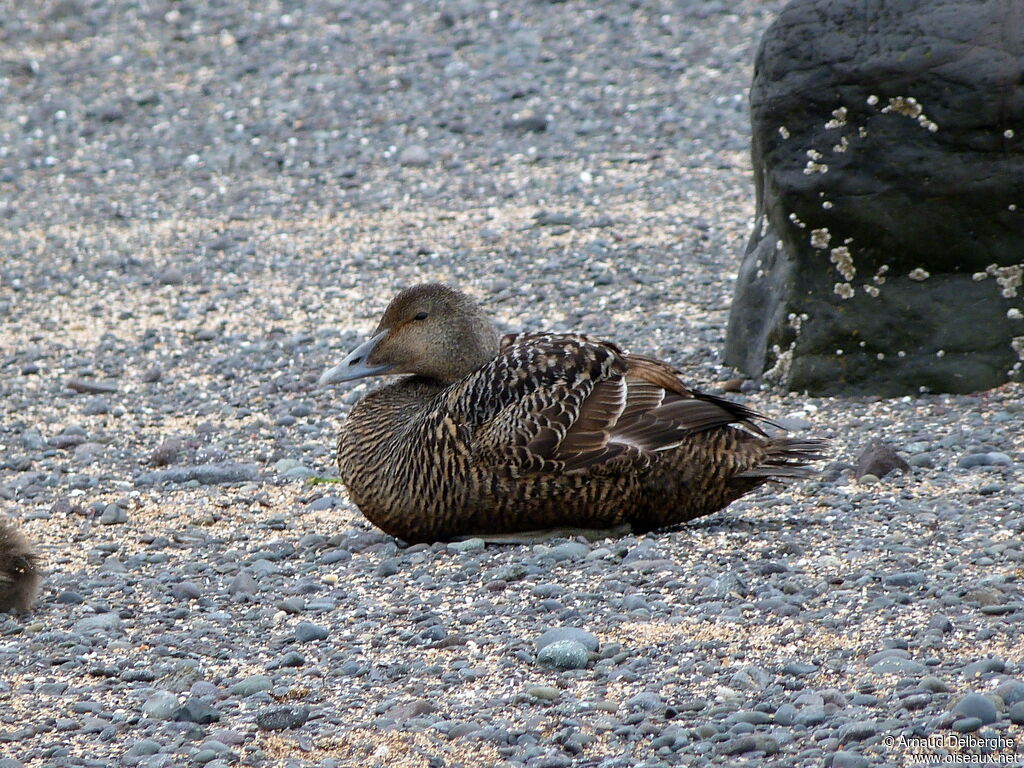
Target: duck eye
(421, 316)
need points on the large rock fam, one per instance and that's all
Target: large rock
(888, 153)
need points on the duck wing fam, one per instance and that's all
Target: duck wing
(563, 402)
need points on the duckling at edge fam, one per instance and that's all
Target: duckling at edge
(535, 431)
(19, 569)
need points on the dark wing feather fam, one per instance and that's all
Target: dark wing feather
(553, 402)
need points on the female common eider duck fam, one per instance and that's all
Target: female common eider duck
(536, 431)
(19, 569)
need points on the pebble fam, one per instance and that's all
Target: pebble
(749, 743)
(586, 639)
(563, 654)
(144, 747)
(975, 705)
(646, 701)
(898, 666)
(282, 718)
(252, 685)
(993, 458)
(858, 731)
(113, 515)
(306, 632)
(415, 155)
(469, 545)
(1016, 713)
(1010, 691)
(100, 622)
(569, 550)
(204, 474)
(186, 590)
(92, 386)
(543, 692)
(171, 276)
(967, 724)
(96, 406)
(196, 711)
(984, 667)
(905, 579)
(162, 705)
(878, 460)
(165, 453)
(844, 759)
(792, 423)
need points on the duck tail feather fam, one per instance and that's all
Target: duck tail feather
(788, 458)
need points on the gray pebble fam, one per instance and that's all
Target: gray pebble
(91, 386)
(96, 406)
(933, 684)
(204, 474)
(967, 724)
(975, 705)
(469, 545)
(984, 667)
(905, 579)
(844, 759)
(898, 666)
(415, 156)
(569, 550)
(1010, 691)
(543, 692)
(749, 743)
(564, 654)
(858, 731)
(306, 632)
(161, 705)
(785, 715)
(113, 515)
(586, 639)
(186, 590)
(1016, 713)
(101, 622)
(646, 701)
(792, 423)
(252, 685)
(282, 718)
(196, 711)
(993, 458)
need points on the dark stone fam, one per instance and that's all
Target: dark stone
(917, 111)
(879, 459)
(195, 711)
(527, 124)
(282, 718)
(975, 705)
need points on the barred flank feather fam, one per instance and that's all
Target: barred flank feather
(540, 431)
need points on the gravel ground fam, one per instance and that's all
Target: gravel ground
(203, 205)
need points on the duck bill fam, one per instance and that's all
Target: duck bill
(354, 366)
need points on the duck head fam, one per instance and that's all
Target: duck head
(428, 330)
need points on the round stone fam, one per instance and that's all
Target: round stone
(564, 654)
(975, 705)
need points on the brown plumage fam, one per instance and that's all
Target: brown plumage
(19, 569)
(536, 431)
